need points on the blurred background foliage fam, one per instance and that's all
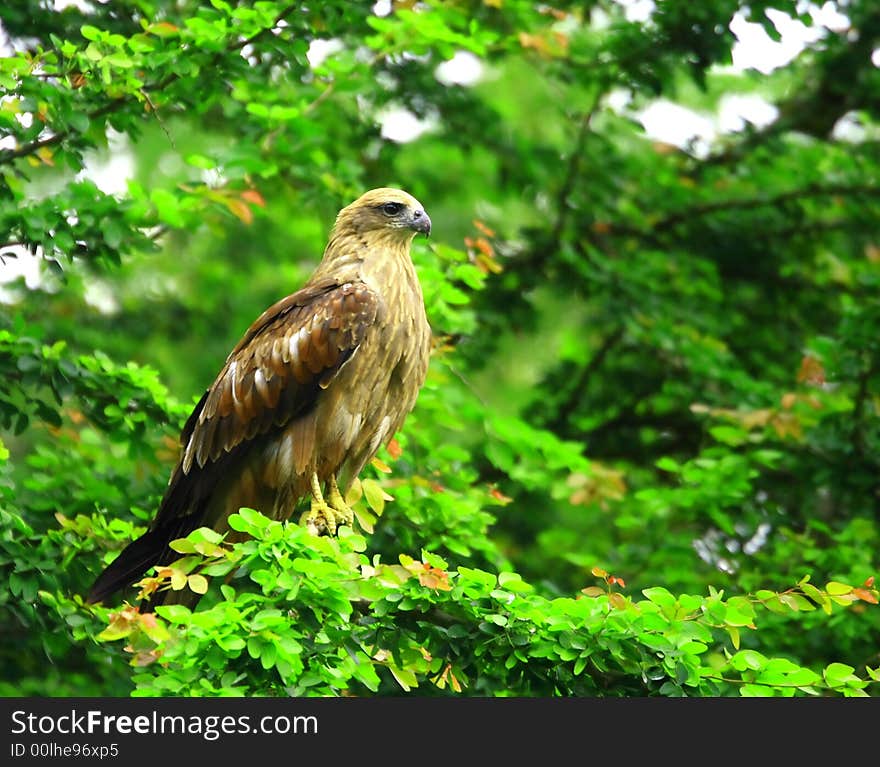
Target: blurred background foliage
(653, 361)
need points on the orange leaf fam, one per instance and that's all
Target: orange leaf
(865, 595)
(482, 244)
(869, 581)
(483, 228)
(394, 449)
(148, 620)
(253, 196)
(811, 371)
(240, 210)
(533, 41)
(434, 578)
(499, 496)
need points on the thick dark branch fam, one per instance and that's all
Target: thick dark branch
(792, 195)
(573, 170)
(8, 155)
(574, 396)
(810, 227)
(690, 214)
(857, 434)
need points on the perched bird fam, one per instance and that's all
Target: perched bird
(317, 384)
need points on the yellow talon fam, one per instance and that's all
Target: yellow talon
(344, 514)
(324, 517)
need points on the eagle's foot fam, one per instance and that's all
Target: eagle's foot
(320, 519)
(344, 513)
(325, 516)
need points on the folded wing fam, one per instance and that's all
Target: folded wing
(274, 374)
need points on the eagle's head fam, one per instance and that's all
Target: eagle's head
(385, 211)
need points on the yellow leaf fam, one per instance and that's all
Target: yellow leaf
(163, 29)
(45, 154)
(364, 519)
(178, 580)
(121, 625)
(483, 228)
(198, 583)
(733, 631)
(375, 495)
(381, 465)
(405, 678)
(499, 496)
(354, 493)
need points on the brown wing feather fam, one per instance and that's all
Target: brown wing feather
(274, 373)
(246, 397)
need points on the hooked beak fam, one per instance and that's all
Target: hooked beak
(421, 222)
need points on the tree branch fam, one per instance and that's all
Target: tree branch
(9, 155)
(686, 215)
(573, 170)
(857, 434)
(574, 396)
(792, 195)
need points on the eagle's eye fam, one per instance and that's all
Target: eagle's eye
(392, 208)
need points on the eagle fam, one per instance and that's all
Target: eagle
(318, 383)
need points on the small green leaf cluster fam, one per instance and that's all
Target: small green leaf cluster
(289, 613)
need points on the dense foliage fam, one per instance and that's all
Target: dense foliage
(646, 458)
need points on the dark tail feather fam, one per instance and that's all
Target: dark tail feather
(182, 510)
(134, 561)
(139, 556)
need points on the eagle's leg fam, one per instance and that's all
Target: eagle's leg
(324, 517)
(344, 514)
